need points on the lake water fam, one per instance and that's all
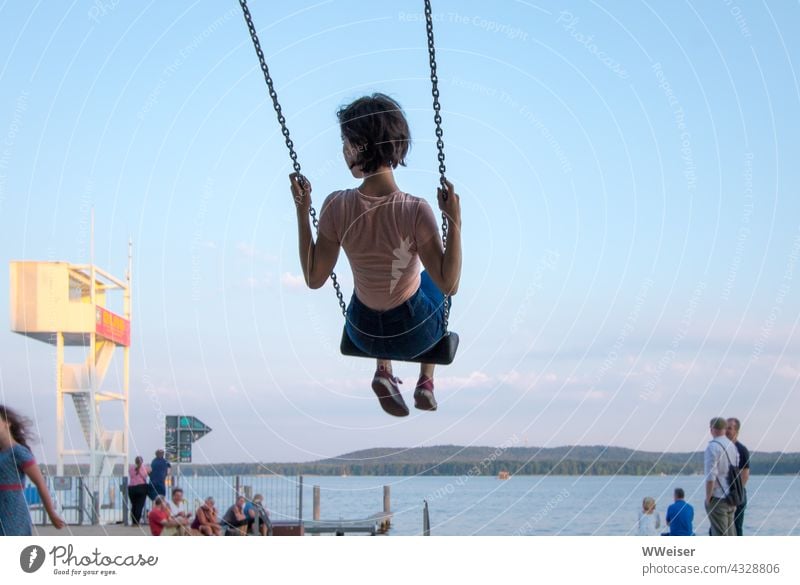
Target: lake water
(543, 505)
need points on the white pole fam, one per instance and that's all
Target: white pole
(126, 359)
(92, 360)
(60, 402)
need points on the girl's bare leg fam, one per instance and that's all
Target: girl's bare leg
(426, 370)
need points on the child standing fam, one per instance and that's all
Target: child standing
(17, 462)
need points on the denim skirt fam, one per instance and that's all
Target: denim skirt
(402, 332)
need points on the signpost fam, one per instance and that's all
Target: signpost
(179, 434)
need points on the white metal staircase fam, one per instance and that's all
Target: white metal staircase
(77, 381)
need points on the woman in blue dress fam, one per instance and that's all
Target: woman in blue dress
(16, 462)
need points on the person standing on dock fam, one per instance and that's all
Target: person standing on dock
(719, 455)
(732, 432)
(159, 471)
(137, 489)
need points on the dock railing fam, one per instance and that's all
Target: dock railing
(82, 500)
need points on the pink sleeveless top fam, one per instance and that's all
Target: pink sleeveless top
(380, 236)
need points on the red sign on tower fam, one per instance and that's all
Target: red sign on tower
(113, 327)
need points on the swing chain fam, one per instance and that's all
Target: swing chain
(285, 131)
(437, 118)
(339, 296)
(272, 93)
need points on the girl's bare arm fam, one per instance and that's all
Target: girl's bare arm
(444, 266)
(317, 259)
(37, 479)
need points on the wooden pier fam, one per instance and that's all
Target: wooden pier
(378, 523)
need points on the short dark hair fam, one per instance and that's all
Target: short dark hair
(736, 422)
(177, 490)
(376, 126)
(679, 493)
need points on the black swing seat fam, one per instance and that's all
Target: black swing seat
(443, 353)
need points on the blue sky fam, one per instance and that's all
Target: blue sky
(629, 190)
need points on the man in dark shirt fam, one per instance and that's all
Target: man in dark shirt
(732, 432)
(680, 516)
(159, 470)
(235, 521)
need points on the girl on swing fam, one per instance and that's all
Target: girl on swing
(395, 311)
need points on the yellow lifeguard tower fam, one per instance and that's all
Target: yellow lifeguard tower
(65, 305)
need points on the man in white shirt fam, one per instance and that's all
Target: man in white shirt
(179, 512)
(719, 455)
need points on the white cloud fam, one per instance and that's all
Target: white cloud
(250, 252)
(246, 250)
(515, 379)
(256, 283)
(596, 395)
(789, 372)
(293, 281)
(476, 379)
(526, 380)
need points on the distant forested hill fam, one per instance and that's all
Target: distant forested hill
(455, 460)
